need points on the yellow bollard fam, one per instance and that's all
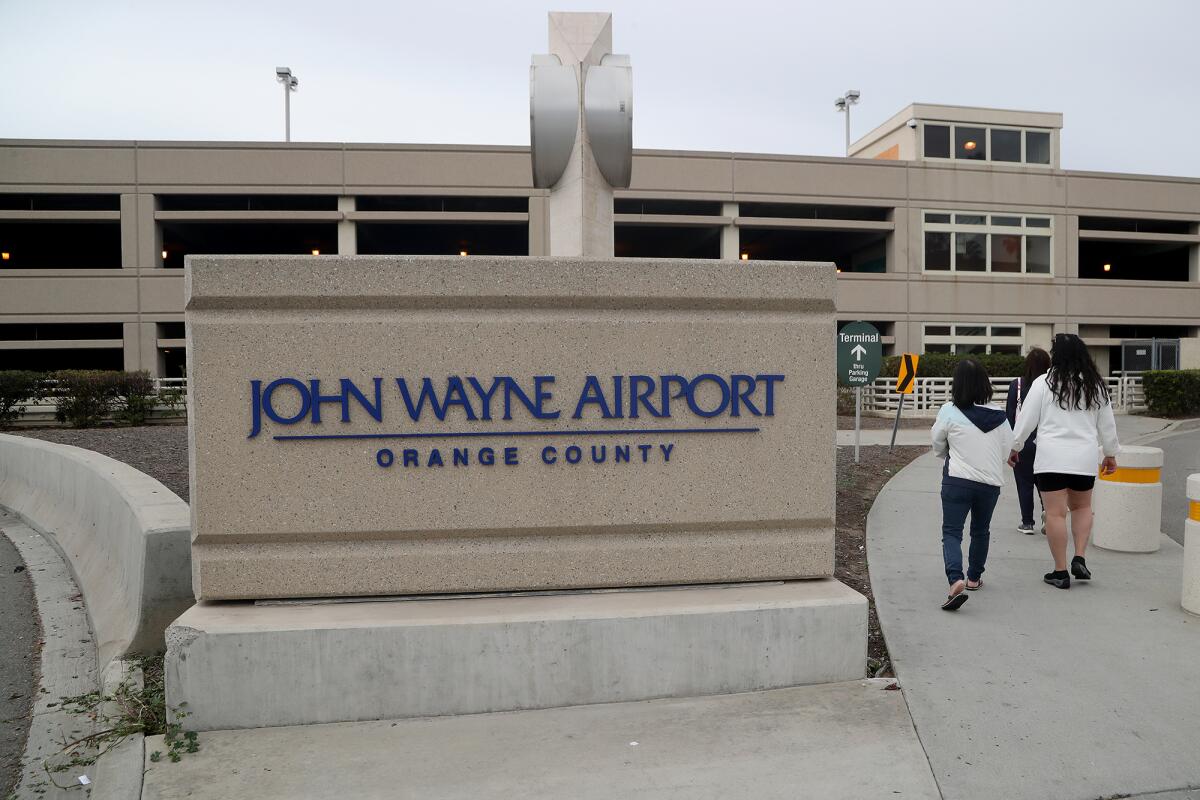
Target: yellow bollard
(1191, 547)
(1128, 503)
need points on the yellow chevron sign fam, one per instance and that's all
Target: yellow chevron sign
(907, 378)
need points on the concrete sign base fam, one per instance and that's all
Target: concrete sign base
(243, 665)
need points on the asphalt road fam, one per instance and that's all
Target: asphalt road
(1181, 457)
(18, 643)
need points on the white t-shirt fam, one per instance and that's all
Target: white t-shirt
(1068, 440)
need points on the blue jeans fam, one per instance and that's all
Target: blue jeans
(979, 501)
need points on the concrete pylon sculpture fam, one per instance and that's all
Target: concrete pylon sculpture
(581, 131)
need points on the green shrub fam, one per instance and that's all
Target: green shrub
(17, 387)
(845, 401)
(941, 365)
(134, 396)
(83, 397)
(1172, 393)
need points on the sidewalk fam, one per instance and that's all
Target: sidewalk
(845, 741)
(1030, 691)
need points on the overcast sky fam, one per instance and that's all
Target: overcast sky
(746, 75)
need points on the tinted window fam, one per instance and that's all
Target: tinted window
(937, 250)
(970, 252)
(969, 143)
(1006, 145)
(1037, 254)
(1006, 253)
(937, 141)
(1037, 147)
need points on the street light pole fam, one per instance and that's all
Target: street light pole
(290, 84)
(843, 103)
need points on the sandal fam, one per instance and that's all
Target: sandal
(978, 585)
(955, 600)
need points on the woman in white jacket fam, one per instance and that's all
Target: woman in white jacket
(974, 438)
(1071, 411)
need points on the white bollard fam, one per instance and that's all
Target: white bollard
(1191, 547)
(1128, 503)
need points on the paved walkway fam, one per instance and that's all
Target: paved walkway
(1030, 691)
(837, 741)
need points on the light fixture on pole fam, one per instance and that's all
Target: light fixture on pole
(843, 104)
(290, 84)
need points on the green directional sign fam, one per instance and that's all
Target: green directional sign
(859, 351)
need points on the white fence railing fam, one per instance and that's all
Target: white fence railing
(930, 394)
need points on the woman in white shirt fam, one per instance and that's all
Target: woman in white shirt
(974, 438)
(1071, 411)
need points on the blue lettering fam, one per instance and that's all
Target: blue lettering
(305, 401)
(743, 395)
(510, 456)
(769, 410)
(348, 390)
(645, 448)
(666, 450)
(667, 397)
(427, 393)
(487, 456)
(385, 457)
(456, 395)
(461, 456)
(410, 458)
(549, 455)
(641, 397)
(533, 406)
(621, 454)
(573, 454)
(255, 408)
(599, 459)
(485, 398)
(435, 458)
(619, 396)
(592, 393)
(695, 385)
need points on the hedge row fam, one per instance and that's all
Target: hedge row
(941, 365)
(1172, 393)
(82, 398)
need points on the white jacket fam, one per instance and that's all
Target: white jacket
(976, 441)
(1068, 440)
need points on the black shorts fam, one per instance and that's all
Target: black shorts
(1057, 481)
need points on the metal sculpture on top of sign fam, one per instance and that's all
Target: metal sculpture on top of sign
(554, 113)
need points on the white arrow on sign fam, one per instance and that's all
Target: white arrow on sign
(859, 351)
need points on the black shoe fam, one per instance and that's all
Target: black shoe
(1079, 569)
(1061, 579)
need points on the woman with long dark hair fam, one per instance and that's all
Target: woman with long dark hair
(1071, 411)
(1036, 364)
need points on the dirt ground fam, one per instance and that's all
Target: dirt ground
(846, 423)
(857, 486)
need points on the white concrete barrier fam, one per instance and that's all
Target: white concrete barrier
(126, 537)
(1128, 503)
(236, 665)
(1191, 547)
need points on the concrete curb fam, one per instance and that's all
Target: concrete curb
(125, 537)
(118, 773)
(68, 659)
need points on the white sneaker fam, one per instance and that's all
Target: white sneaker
(1025, 529)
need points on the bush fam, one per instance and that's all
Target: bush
(134, 396)
(84, 396)
(941, 365)
(17, 387)
(845, 401)
(1172, 393)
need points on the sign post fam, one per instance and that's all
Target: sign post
(859, 353)
(906, 380)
